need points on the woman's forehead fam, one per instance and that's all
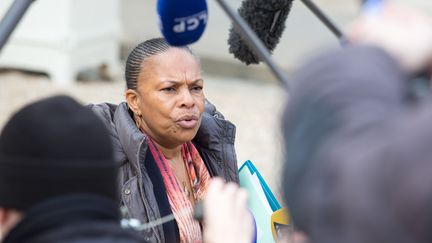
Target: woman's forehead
(175, 60)
(177, 54)
(174, 64)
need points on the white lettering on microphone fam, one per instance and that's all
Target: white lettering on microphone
(190, 23)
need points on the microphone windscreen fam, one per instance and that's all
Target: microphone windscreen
(182, 22)
(265, 17)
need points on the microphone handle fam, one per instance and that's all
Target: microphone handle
(12, 18)
(325, 20)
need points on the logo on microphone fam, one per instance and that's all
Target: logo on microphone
(190, 23)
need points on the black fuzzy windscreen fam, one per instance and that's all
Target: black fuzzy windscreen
(265, 17)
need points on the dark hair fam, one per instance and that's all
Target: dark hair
(142, 52)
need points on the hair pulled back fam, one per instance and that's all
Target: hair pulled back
(142, 52)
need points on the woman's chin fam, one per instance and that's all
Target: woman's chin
(184, 136)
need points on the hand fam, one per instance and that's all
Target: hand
(226, 217)
(404, 33)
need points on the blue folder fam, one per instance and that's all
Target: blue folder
(274, 204)
(262, 202)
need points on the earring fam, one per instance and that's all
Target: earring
(137, 118)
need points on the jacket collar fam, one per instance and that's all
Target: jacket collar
(130, 137)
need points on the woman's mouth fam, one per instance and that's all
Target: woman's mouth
(188, 122)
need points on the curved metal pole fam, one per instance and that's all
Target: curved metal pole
(12, 18)
(325, 20)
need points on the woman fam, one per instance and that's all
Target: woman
(169, 139)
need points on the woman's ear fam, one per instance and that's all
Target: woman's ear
(132, 98)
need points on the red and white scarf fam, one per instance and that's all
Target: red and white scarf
(190, 230)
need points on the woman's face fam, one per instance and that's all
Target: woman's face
(170, 97)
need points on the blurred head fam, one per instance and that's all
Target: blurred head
(165, 91)
(372, 187)
(49, 149)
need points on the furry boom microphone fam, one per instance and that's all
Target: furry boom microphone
(267, 19)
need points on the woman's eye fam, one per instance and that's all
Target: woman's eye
(197, 88)
(168, 89)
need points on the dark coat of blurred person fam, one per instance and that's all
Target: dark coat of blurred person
(57, 177)
(165, 120)
(357, 146)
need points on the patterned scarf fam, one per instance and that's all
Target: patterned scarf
(190, 230)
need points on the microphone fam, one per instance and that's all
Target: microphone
(267, 19)
(373, 7)
(182, 22)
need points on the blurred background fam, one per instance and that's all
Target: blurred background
(78, 47)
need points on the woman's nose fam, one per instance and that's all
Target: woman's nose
(186, 99)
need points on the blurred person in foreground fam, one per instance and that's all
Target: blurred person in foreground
(58, 182)
(358, 146)
(57, 176)
(169, 140)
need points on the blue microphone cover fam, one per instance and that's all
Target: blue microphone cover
(182, 22)
(373, 7)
